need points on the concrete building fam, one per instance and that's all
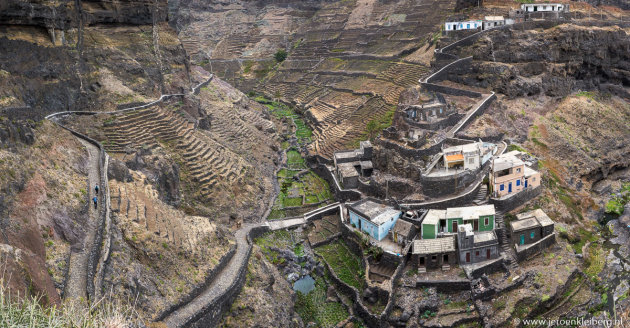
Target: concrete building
(465, 25)
(530, 227)
(475, 247)
(544, 7)
(352, 164)
(373, 216)
(469, 156)
(510, 175)
(436, 222)
(434, 253)
(491, 22)
(403, 232)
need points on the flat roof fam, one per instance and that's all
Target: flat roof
(347, 170)
(524, 224)
(375, 212)
(539, 215)
(506, 161)
(456, 157)
(470, 212)
(529, 171)
(434, 216)
(366, 165)
(484, 236)
(433, 246)
(402, 227)
(345, 154)
(493, 18)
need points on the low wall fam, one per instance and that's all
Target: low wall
(212, 274)
(449, 121)
(449, 90)
(486, 103)
(455, 201)
(487, 269)
(416, 154)
(445, 286)
(535, 248)
(508, 204)
(442, 72)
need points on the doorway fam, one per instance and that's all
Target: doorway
(476, 225)
(468, 257)
(522, 240)
(487, 254)
(509, 187)
(445, 258)
(422, 260)
(454, 226)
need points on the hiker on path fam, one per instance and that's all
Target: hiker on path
(95, 200)
(96, 189)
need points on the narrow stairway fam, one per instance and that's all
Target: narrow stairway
(507, 250)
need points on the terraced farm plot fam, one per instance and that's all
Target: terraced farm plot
(313, 306)
(302, 132)
(282, 239)
(303, 189)
(324, 229)
(346, 265)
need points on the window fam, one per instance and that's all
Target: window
(518, 170)
(434, 258)
(477, 253)
(502, 187)
(531, 235)
(533, 179)
(518, 183)
(471, 160)
(468, 26)
(486, 221)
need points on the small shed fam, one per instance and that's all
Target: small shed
(373, 216)
(434, 253)
(403, 232)
(431, 222)
(530, 227)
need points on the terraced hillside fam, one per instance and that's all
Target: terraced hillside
(348, 61)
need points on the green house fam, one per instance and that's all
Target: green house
(480, 218)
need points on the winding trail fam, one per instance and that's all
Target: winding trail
(76, 282)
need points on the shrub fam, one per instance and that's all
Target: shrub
(280, 55)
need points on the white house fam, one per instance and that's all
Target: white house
(490, 22)
(469, 156)
(545, 7)
(467, 25)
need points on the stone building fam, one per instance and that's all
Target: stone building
(530, 227)
(434, 253)
(437, 222)
(544, 7)
(469, 156)
(373, 216)
(352, 164)
(491, 22)
(464, 25)
(475, 247)
(430, 112)
(509, 175)
(403, 232)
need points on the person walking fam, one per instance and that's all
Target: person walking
(96, 189)
(95, 200)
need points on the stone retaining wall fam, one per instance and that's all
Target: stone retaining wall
(445, 286)
(438, 186)
(211, 275)
(516, 200)
(535, 248)
(449, 90)
(488, 268)
(341, 195)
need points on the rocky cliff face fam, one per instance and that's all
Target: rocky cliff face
(553, 61)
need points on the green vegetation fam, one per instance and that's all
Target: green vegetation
(282, 111)
(346, 265)
(247, 66)
(375, 126)
(587, 94)
(28, 312)
(295, 160)
(313, 307)
(280, 55)
(618, 201)
(513, 147)
(277, 239)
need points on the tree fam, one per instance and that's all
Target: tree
(280, 55)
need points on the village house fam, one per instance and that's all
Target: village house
(428, 112)
(491, 22)
(475, 247)
(545, 7)
(465, 25)
(403, 232)
(374, 217)
(437, 222)
(509, 175)
(434, 253)
(530, 227)
(469, 156)
(352, 164)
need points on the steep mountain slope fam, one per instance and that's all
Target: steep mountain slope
(347, 61)
(170, 162)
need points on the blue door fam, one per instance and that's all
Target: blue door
(525, 183)
(509, 187)
(522, 241)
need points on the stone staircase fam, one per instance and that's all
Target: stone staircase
(380, 273)
(482, 195)
(507, 249)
